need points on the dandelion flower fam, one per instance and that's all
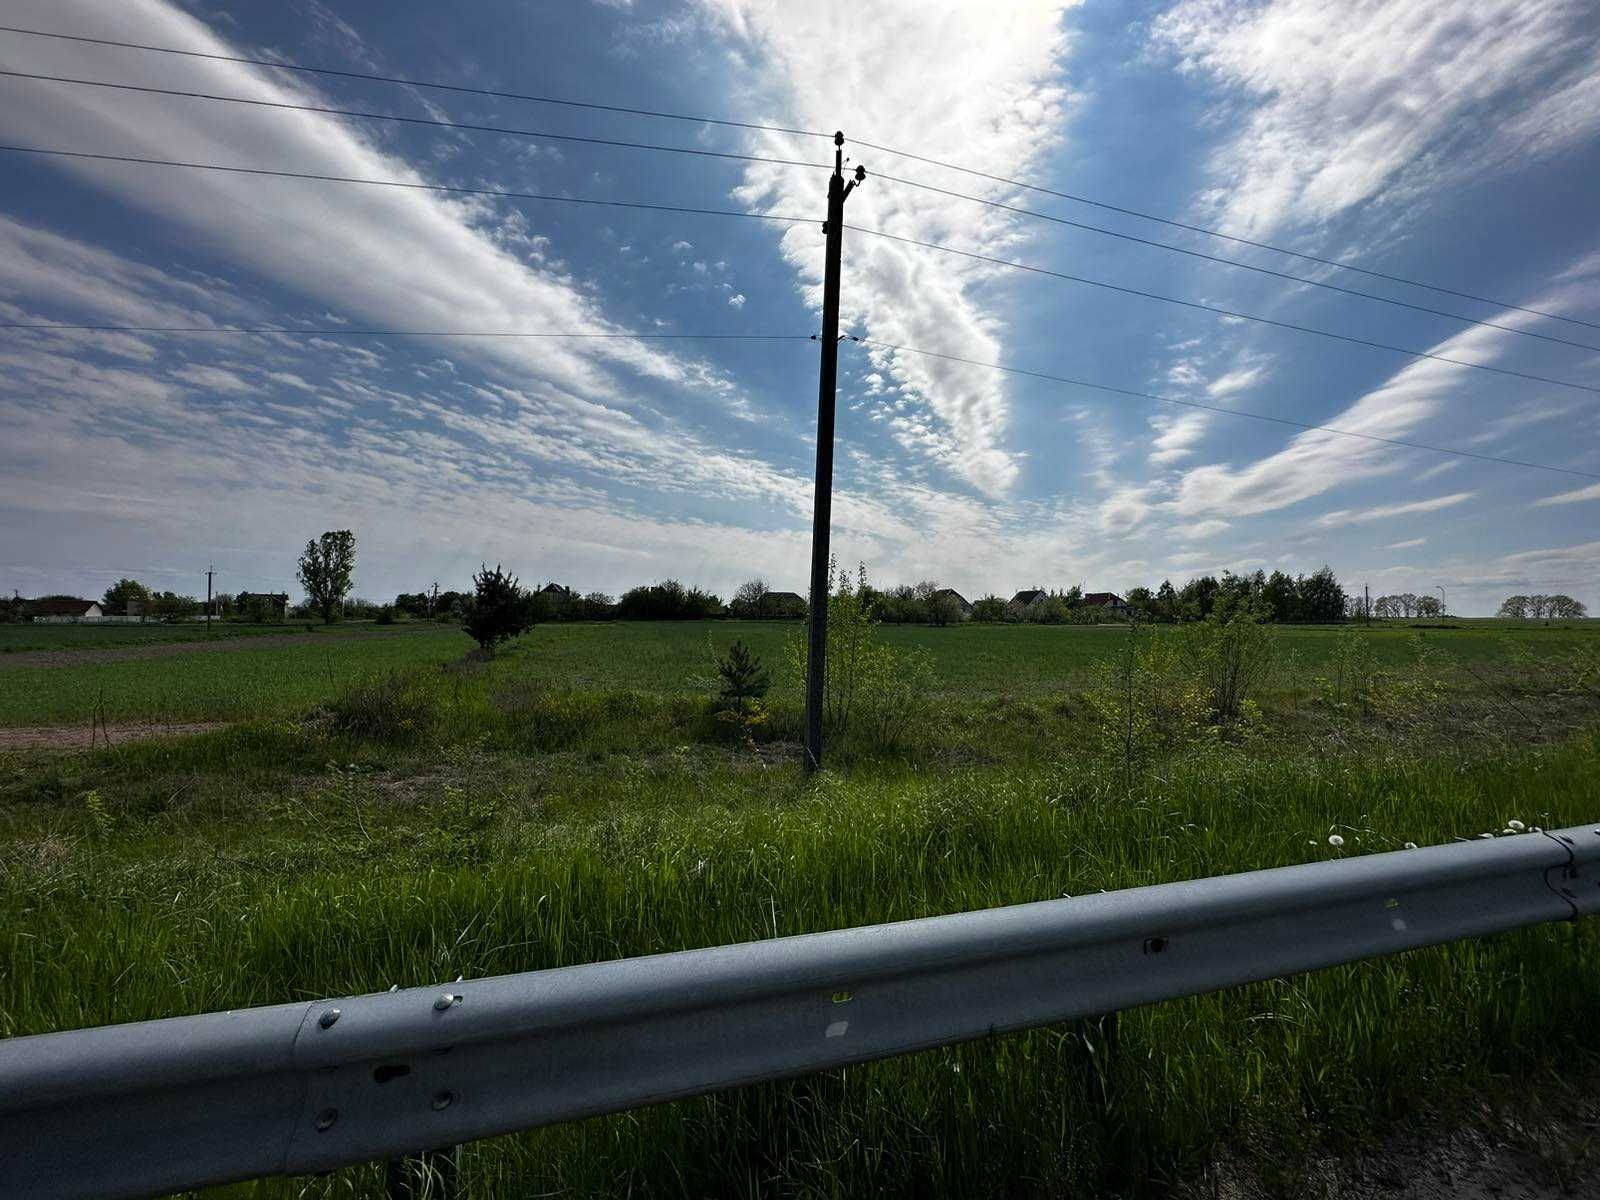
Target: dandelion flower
(1335, 840)
(1515, 825)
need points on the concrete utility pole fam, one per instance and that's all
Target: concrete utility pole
(1443, 605)
(822, 510)
(210, 571)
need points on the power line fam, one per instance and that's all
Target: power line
(408, 184)
(760, 127)
(1227, 262)
(1224, 312)
(364, 115)
(702, 153)
(1228, 237)
(1231, 412)
(719, 212)
(460, 89)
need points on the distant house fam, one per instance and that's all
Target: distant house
(1023, 601)
(1108, 602)
(952, 594)
(264, 606)
(778, 605)
(64, 610)
(558, 595)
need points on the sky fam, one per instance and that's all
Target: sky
(1453, 143)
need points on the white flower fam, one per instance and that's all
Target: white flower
(1335, 840)
(1515, 825)
(1486, 835)
(1411, 845)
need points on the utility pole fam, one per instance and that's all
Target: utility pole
(1367, 591)
(1443, 605)
(822, 509)
(433, 600)
(210, 571)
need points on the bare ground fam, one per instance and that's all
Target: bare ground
(88, 737)
(1549, 1150)
(72, 658)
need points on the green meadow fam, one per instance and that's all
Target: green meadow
(385, 809)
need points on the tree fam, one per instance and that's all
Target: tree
(1322, 598)
(1513, 608)
(748, 598)
(1279, 595)
(944, 610)
(325, 570)
(1166, 606)
(744, 681)
(1566, 608)
(500, 609)
(122, 591)
(989, 609)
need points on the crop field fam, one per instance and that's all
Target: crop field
(382, 808)
(17, 639)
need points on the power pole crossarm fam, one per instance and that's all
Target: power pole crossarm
(822, 510)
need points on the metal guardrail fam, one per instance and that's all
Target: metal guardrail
(139, 1109)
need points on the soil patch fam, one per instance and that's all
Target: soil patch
(72, 658)
(89, 737)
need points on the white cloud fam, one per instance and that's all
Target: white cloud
(736, 301)
(1385, 511)
(1408, 544)
(1233, 382)
(1340, 104)
(1592, 492)
(976, 83)
(1176, 436)
(394, 256)
(1317, 461)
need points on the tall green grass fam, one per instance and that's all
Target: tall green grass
(145, 904)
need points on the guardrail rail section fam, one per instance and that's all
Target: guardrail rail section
(156, 1106)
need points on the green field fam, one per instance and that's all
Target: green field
(16, 639)
(387, 811)
(657, 658)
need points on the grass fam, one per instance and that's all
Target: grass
(16, 639)
(231, 684)
(572, 801)
(654, 658)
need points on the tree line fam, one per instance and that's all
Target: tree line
(326, 569)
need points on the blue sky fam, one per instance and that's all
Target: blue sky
(1453, 142)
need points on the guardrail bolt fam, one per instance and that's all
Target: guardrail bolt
(326, 1118)
(443, 1100)
(327, 1019)
(446, 1000)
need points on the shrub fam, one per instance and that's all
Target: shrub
(869, 687)
(990, 609)
(1229, 654)
(1146, 700)
(744, 683)
(668, 600)
(393, 708)
(500, 609)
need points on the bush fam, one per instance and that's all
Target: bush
(500, 609)
(394, 708)
(869, 687)
(744, 683)
(668, 600)
(1229, 654)
(1146, 700)
(989, 609)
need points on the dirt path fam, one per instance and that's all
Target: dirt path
(69, 658)
(86, 737)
